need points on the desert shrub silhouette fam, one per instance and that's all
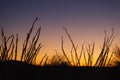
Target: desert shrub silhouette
(58, 67)
(30, 50)
(10, 67)
(102, 61)
(116, 55)
(58, 60)
(7, 47)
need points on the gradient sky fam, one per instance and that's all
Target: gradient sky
(84, 19)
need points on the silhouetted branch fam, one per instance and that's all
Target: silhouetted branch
(42, 59)
(103, 57)
(76, 54)
(90, 52)
(72, 57)
(16, 47)
(27, 40)
(82, 51)
(64, 51)
(45, 63)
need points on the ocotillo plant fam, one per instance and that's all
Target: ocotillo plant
(30, 49)
(6, 47)
(89, 57)
(103, 58)
(73, 51)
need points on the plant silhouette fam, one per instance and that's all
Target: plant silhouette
(117, 55)
(30, 50)
(59, 67)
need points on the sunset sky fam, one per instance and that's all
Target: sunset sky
(85, 20)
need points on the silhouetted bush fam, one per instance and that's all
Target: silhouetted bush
(7, 47)
(103, 59)
(58, 60)
(30, 50)
(117, 56)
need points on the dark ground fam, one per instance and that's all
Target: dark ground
(15, 70)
